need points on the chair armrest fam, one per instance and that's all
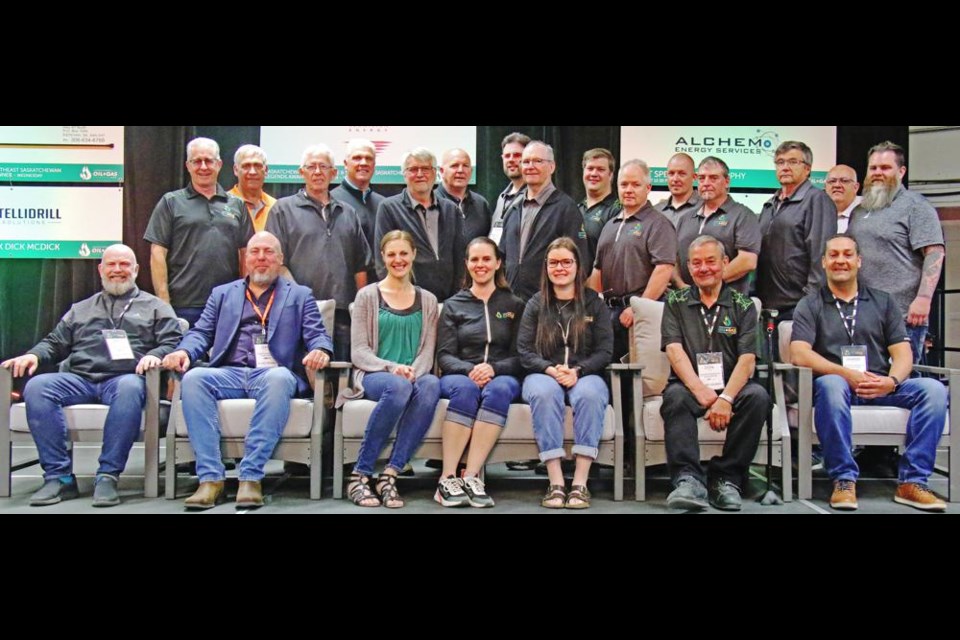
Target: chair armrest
(941, 371)
(625, 366)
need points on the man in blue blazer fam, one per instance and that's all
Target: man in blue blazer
(264, 334)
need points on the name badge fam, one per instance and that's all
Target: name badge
(495, 234)
(118, 344)
(854, 357)
(262, 352)
(710, 370)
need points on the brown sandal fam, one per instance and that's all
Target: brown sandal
(360, 493)
(387, 490)
(555, 497)
(580, 493)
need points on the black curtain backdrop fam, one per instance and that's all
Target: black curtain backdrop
(34, 294)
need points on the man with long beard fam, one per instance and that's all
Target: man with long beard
(107, 342)
(901, 240)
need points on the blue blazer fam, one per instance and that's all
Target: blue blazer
(294, 326)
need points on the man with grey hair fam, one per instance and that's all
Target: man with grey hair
(709, 332)
(600, 203)
(250, 167)
(360, 163)
(532, 222)
(323, 242)
(680, 176)
(636, 253)
(106, 343)
(842, 186)
(434, 223)
(455, 173)
(511, 152)
(901, 241)
(197, 235)
(794, 225)
(720, 216)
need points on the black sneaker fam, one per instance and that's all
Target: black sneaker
(725, 495)
(54, 491)
(690, 495)
(450, 493)
(105, 491)
(476, 493)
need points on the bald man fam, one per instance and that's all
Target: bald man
(107, 342)
(842, 186)
(455, 172)
(683, 197)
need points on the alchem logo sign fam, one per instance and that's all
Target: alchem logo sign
(85, 173)
(763, 143)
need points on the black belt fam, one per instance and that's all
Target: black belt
(617, 301)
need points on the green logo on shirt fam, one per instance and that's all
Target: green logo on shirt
(637, 229)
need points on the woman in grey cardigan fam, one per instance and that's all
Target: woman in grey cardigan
(393, 335)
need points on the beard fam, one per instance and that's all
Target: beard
(262, 279)
(879, 195)
(117, 288)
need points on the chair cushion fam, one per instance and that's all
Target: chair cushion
(79, 417)
(871, 420)
(646, 345)
(653, 424)
(235, 416)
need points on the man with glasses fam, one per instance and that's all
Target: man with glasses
(250, 167)
(533, 221)
(455, 172)
(511, 151)
(323, 242)
(359, 165)
(680, 176)
(434, 223)
(794, 225)
(720, 216)
(842, 186)
(600, 203)
(197, 235)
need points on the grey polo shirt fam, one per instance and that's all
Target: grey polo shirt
(891, 242)
(879, 325)
(674, 213)
(324, 255)
(594, 219)
(630, 248)
(733, 224)
(504, 200)
(202, 238)
(474, 210)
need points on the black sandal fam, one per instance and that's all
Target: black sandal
(387, 490)
(359, 491)
(578, 492)
(554, 492)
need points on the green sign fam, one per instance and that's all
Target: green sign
(57, 172)
(92, 249)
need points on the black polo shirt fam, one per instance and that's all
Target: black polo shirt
(202, 238)
(474, 210)
(365, 205)
(879, 325)
(594, 219)
(733, 224)
(735, 333)
(629, 250)
(674, 213)
(324, 255)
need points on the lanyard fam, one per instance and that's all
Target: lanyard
(710, 326)
(565, 333)
(116, 323)
(256, 310)
(849, 328)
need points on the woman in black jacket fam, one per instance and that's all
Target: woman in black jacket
(478, 357)
(565, 343)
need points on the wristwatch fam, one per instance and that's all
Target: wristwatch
(727, 398)
(896, 382)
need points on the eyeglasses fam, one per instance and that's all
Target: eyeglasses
(843, 181)
(565, 263)
(417, 170)
(533, 161)
(313, 168)
(792, 162)
(199, 162)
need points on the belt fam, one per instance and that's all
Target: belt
(617, 301)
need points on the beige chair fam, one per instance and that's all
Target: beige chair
(648, 424)
(302, 436)
(84, 424)
(871, 425)
(517, 441)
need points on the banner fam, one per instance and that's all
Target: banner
(61, 154)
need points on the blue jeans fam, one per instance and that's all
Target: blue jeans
(918, 336)
(924, 397)
(190, 314)
(272, 388)
(469, 403)
(48, 393)
(407, 406)
(547, 400)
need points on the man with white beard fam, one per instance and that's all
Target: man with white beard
(107, 342)
(900, 239)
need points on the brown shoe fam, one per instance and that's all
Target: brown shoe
(918, 496)
(844, 495)
(249, 495)
(207, 496)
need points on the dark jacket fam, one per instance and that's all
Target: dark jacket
(464, 325)
(595, 351)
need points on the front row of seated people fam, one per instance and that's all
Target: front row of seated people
(264, 339)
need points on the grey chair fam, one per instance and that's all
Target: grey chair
(301, 441)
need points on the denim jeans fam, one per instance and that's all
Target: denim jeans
(918, 335)
(547, 399)
(48, 393)
(680, 411)
(271, 388)
(190, 314)
(926, 399)
(407, 406)
(469, 403)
